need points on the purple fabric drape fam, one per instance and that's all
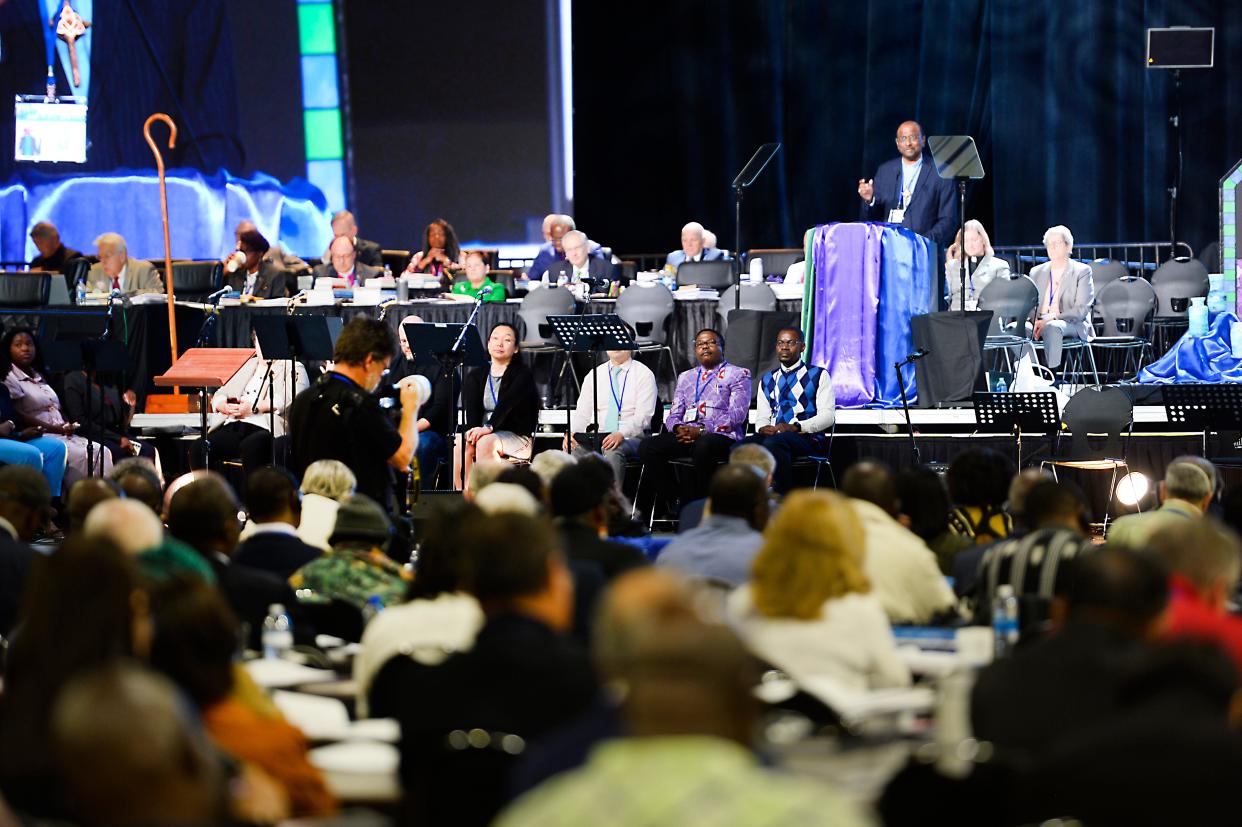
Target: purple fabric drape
(846, 301)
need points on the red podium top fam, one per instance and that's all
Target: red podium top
(205, 367)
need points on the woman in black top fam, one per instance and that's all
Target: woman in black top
(502, 405)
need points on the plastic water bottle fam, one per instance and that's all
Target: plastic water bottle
(374, 605)
(277, 632)
(80, 292)
(1197, 316)
(1005, 620)
(387, 270)
(1001, 385)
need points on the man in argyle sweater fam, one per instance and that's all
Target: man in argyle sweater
(708, 417)
(796, 405)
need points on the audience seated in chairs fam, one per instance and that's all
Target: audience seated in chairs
(116, 271)
(579, 497)
(138, 532)
(1066, 294)
(693, 247)
(368, 252)
(441, 255)
(53, 254)
(83, 497)
(139, 480)
(749, 455)
(1186, 491)
(275, 253)
(110, 412)
(29, 446)
(274, 508)
(476, 280)
(25, 503)
(723, 546)
(250, 273)
(978, 479)
(982, 267)
(501, 405)
(344, 262)
(326, 484)
(551, 250)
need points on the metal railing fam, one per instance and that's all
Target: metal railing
(1139, 257)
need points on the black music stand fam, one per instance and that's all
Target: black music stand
(454, 347)
(296, 338)
(1018, 412)
(957, 158)
(85, 347)
(754, 167)
(591, 334)
(1214, 408)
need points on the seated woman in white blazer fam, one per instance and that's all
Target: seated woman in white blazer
(1066, 293)
(984, 266)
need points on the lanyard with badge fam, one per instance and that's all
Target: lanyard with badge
(700, 384)
(906, 193)
(612, 387)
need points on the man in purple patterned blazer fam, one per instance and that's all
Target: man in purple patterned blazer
(708, 417)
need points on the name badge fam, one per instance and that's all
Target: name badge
(691, 414)
(895, 216)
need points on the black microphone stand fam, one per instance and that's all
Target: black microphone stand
(453, 365)
(905, 402)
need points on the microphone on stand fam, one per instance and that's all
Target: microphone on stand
(293, 301)
(215, 297)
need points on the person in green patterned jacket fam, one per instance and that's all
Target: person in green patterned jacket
(356, 568)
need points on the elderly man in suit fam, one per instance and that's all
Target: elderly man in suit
(343, 263)
(579, 265)
(117, 271)
(907, 191)
(693, 247)
(251, 273)
(1066, 293)
(368, 252)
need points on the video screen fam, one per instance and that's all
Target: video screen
(50, 132)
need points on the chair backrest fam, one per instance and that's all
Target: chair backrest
(196, 279)
(778, 260)
(75, 271)
(1209, 257)
(646, 308)
(1177, 279)
(711, 274)
(1104, 271)
(25, 289)
(1012, 299)
(395, 260)
(627, 271)
(754, 297)
(1098, 411)
(1130, 298)
(535, 309)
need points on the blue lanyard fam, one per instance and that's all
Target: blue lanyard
(491, 386)
(698, 388)
(613, 388)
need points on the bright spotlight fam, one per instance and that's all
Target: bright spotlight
(1132, 488)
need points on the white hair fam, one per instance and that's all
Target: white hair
(128, 523)
(111, 242)
(694, 227)
(484, 473)
(576, 235)
(1184, 481)
(329, 478)
(506, 498)
(550, 463)
(1065, 234)
(709, 239)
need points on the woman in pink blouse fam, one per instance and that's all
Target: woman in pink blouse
(36, 402)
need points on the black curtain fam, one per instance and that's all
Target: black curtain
(671, 99)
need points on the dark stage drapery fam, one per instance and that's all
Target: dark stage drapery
(671, 99)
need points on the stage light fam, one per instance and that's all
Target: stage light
(1132, 488)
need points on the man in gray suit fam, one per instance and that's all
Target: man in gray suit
(693, 247)
(1066, 293)
(117, 271)
(343, 264)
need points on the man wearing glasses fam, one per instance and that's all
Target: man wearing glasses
(907, 191)
(708, 417)
(796, 409)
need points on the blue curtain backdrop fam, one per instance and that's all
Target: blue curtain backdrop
(671, 99)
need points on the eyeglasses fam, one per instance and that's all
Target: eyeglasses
(909, 139)
(706, 343)
(787, 342)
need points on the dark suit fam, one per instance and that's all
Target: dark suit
(249, 592)
(931, 211)
(678, 257)
(369, 253)
(56, 261)
(362, 272)
(581, 542)
(275, 552)
(15, 559)
(270, 283)
(601, 271)
(517, 410)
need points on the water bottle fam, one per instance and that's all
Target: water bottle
(80, 292)
(403, 289)
(387, 270)
(1005, 620)
(1197, 316)
(277, 632)
(1001, 385)
(374, 605)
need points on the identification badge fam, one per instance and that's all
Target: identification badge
(691, 414)
(895, 216)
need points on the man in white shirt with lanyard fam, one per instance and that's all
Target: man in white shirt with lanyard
(627, 399)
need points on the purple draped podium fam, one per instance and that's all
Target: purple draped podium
(864, 282)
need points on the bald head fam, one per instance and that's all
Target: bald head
(639, 598)
(873, 482)
(910, 140)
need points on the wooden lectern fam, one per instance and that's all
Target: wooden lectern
(204, 368)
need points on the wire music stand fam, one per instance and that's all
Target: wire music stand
(1017, 413)
(592, 334)
(1206, 408)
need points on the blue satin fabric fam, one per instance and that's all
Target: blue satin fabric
(1198, 358)
(866, 281)
(203, 209)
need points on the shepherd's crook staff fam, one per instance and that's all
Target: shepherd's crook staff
(168, 273)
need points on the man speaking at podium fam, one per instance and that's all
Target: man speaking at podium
(907, 191)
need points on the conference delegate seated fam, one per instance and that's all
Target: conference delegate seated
(1066, 293)
(28, 446)
(53, 254)
(476, 280)
(579, 266)
(369, 252)
(551, 250)
(103, 413)
(501, 405)
(981, 269)
(343, 263)
(275, 253)
(693, 247)
(251, 274)
(116, 271)
(440, 255)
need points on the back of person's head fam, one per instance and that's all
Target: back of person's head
(203, 513)
(924, 501)
(361, 523)
(130, 524)
(329, 478)
(272, 495)
(755, 456)
(24, 499)
(528, 479)
(84, 496)
(580, 490)
(1019, 487)
(1204, 552)
(1183, 672)
(871, 481)
(979, 477)
(1118, 587)
(444, 563)
(196, 639)
(633, 600)
(363, 337)
(483, 473)
(513, 557)
(129, 753)
(740, 491)
(547, 464)
(812, 552)
(1185, 480)
(507, 498)
(1051, 504)
(139, 481)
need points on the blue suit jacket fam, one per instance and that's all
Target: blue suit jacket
(932, 211)
(676, 257)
